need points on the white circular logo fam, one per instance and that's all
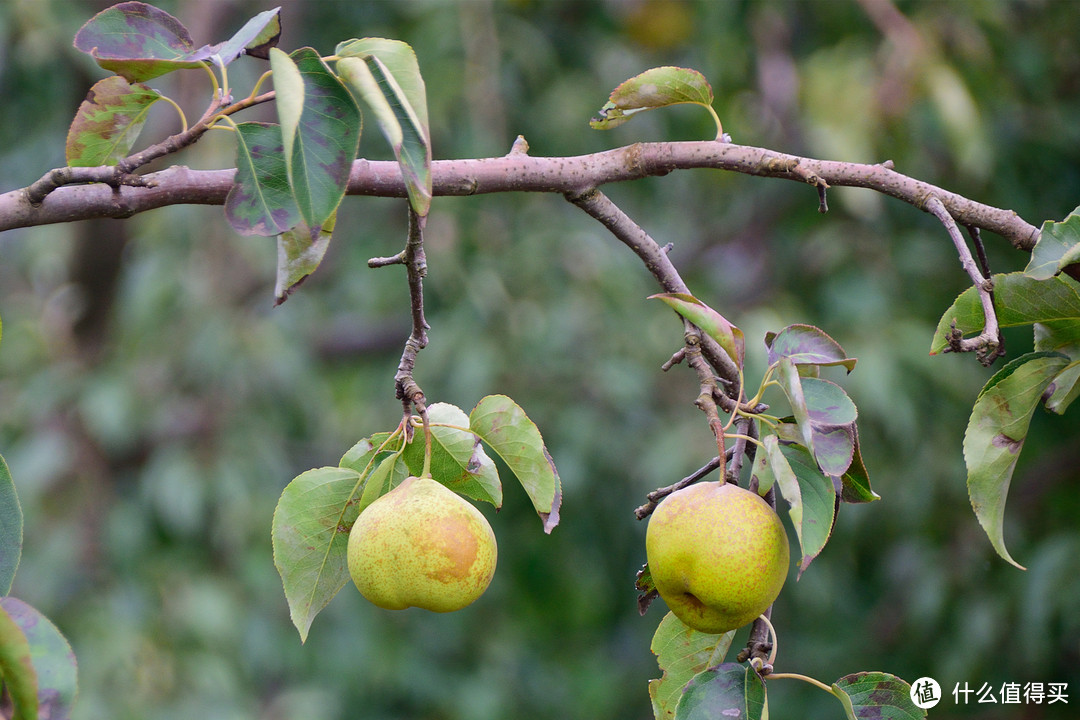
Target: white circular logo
(925, 693)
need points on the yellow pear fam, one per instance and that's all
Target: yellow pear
(421, 545)
(718, 555)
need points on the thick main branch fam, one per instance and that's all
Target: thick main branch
(518, 172)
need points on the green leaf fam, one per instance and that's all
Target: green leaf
(52, 658)
(807, 345)
(108, 122)
(400, 59)
(681, 652)
(655, 88)
(17, 668)
(310, 535)
(458, 461)
(260, 201)
(876, 695)
(382, 467)
(401, 125)
(320, 132)
(504, 427)
(811, 502)
(300, 251)
(1018, 300)
(995, 436)
(1057, 247)
(139, 42)
(709, 321)
(11, 529)
(730, 690)
(258, 35)
(791, 384)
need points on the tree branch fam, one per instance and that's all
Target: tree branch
(518, 172)
(415, 262)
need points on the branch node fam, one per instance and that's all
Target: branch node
(520, 147)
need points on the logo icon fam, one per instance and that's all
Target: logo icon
(925, 693)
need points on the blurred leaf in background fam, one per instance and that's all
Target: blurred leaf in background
(155, 403)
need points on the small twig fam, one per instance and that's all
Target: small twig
(676, 358)
(987, 345)
(601, 208)
(415, 263)
(980, 250)
(659, 494)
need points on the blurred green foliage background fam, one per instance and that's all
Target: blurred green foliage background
(153, 404)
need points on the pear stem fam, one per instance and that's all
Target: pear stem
(426, 472)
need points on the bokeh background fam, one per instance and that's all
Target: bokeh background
(153, 403)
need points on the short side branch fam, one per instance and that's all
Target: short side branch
(415, 262)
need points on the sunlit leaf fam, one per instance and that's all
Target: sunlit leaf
(681, 652)
(52, 658)
(310, 535)
(458, 460)
(139, 42)
(807, 345)
(876, 695)
(400, 59)
(399, 122)
(260, 201)
(1057, 247)
(996, 433)
(320, 132)
(17, 668)
(108, 122)
(1064, 388)
(709, 321)
(811, 501)
(730, 690)
(258, 35)
(11, 529)
(1018, 300)
(505, 428)
(655, 88)
(300, 250)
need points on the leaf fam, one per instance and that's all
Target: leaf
(995, 436)
(258, 35)
(1057, 247)
(300, 251)
(791, 384)
(260, 201)
(1018, 300)
(807, 345)
(504, 427)
(139, 42)
(709, 321)
(730, 690)
(52, 658)
(458, 461)
(655, 88)
(320, 132)
(380, 464)
(17, 668)
(399, 122)
(876, 695)
(11, 529)
(108, 122)
(811, 502)
(311, 537)
(832, 417)
(1064, 388)
(400, 59)
(681, 652)
(855, 480)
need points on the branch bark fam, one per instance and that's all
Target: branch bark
(518, 172)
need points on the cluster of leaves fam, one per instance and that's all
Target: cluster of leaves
(1048, 301)
(291, 175)
(698, 684)
(37, 666)
(318, 508)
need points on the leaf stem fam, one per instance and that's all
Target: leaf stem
(716, 119)
(804, 678)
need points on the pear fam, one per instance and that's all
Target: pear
(718, 555)
(421, 545)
